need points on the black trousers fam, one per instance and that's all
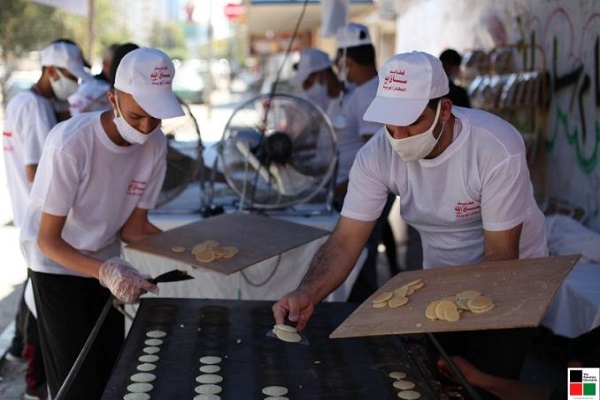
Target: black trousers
(68, 307)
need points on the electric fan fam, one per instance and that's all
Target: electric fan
(184, 156)
(278, 151)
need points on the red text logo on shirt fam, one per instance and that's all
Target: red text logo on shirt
(466, 209)
(136, 188)
(7, 146)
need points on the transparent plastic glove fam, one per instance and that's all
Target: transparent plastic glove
(125, 282)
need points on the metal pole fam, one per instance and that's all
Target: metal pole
(474, 395)
(91, 28)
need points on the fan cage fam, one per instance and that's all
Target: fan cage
(269, 179)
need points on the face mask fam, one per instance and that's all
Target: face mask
(317, 93)
(128, 132)
(63, 87)
(418, 146)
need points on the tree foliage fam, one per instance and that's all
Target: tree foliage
(27, 26)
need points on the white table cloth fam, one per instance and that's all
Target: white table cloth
(575, 308)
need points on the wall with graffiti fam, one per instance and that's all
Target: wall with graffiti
(568, 32)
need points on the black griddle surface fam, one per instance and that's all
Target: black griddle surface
(327, 369)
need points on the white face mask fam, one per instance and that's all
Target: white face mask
(63, 87)
(317, 93)
(416, 147)
(128, 132)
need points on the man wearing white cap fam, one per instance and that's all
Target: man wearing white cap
(30, 115)
(315, 77)
(99, 174)
(463, 183)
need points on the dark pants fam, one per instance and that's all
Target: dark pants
(18, 340)
(68, 307)
(35, 376)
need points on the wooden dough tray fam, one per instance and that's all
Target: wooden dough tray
(256, 237)
(521, 289)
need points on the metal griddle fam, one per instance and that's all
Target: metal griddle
(354, 368)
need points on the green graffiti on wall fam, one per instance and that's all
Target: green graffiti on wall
(586, 163)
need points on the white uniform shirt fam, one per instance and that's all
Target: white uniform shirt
(95, 183)
(481, 181)
(351, 138)
(29, 118)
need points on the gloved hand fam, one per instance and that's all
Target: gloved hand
(125, 282)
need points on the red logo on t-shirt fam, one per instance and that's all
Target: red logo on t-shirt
(7, 134)
(136, 188)
(466, 209)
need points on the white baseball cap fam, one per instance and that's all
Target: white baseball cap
(311, 60)
(147, 75)
(64, 55)
(407, 82)
(352, 35)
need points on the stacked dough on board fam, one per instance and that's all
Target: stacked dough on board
(209, 251)
(397, 297)
(449, 308)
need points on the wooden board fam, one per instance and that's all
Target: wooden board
(256, 237)
(521, 289)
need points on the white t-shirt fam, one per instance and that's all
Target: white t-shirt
(95, 183)
(29, 118)
(481, 181)
(350, 138)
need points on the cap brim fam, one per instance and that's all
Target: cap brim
(162, 105)
(398, 112)
(79, 72)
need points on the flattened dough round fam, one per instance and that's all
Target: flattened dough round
(210, 369)
(146, 367)
(148, 358)
(156, 334)
(209, 378)
(143, 377)
(153, 342)
(208, 389)
(140, 387)
(409, 395)
(404, 385)
(151, 350)
(207, 397)
(275, 390)
(136, 396)
(210, 359)
(397, 375)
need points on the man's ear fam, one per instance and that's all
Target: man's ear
(446, 109)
